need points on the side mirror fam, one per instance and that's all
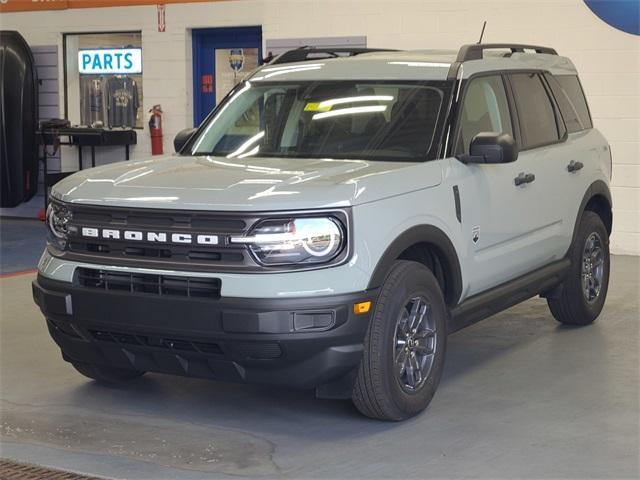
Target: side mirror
(491, 147)
(182, 137)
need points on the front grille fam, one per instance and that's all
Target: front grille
(174, 253)
(182, 345)
(151, 238)
(155, 254)
(143, 283)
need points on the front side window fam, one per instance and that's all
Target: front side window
(326, 119)
(484, 109)
(538, 122)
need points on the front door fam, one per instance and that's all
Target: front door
(506, 227)
(221, 58)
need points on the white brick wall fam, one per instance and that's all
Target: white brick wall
(608, 60)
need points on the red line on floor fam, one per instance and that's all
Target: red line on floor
(17, 274)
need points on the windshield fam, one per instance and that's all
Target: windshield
(328, 119)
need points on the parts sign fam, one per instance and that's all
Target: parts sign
(110, 61)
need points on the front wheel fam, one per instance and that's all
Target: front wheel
(404, 348)
(583, 292)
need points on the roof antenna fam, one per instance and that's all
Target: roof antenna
(482, 32)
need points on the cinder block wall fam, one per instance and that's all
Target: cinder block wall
(608, 60)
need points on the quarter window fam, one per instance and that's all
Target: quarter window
(484, 109)
(538, 122)
(568, 110)
(571, 86)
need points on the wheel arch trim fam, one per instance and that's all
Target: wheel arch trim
(416, 235)
(597, 189)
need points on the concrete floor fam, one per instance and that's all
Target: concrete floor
(21, 244)
(28, 209)
(521, 397)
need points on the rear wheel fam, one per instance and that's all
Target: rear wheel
(581, 296)
(404, 347)
(106, 375)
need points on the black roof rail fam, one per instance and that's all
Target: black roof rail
(303, 53)
(474, 51)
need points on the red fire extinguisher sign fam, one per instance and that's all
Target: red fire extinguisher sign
(207, 83)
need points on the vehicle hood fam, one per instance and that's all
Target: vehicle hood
(258, 184)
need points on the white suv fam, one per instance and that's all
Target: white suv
(333, 220)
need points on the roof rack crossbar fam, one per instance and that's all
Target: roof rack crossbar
(307, 53)
(475, 51)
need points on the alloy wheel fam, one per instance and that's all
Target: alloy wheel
(414, 344)
(592, 271)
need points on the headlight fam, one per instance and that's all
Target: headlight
(295, 241)
(58, 217)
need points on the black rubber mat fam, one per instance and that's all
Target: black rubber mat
(21, 471)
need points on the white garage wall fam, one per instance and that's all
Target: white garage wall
(608, 60)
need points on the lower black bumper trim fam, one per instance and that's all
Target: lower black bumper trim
(243, 340)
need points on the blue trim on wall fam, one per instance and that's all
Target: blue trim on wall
(204, 42)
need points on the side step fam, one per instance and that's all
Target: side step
(508, 294)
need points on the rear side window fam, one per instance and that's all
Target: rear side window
(484, 109)
(575, 95)
(535, 111)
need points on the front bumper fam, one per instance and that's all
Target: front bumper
(289, 342)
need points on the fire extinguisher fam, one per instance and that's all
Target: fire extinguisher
(155, 128)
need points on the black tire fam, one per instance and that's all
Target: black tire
(378, 392)
(569, 303)
(106, 375)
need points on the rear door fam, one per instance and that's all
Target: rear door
(580, 153)
(545, 152)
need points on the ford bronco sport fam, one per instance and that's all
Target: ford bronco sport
(333, 220)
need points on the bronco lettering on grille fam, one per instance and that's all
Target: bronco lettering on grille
(152, 237)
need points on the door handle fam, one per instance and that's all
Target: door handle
(574, 166)
(523, 178)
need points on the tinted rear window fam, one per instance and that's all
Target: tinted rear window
(535, 111)
(574, 94)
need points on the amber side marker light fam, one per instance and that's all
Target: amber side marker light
(362, 307)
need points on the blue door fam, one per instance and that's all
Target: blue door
(221, 57)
